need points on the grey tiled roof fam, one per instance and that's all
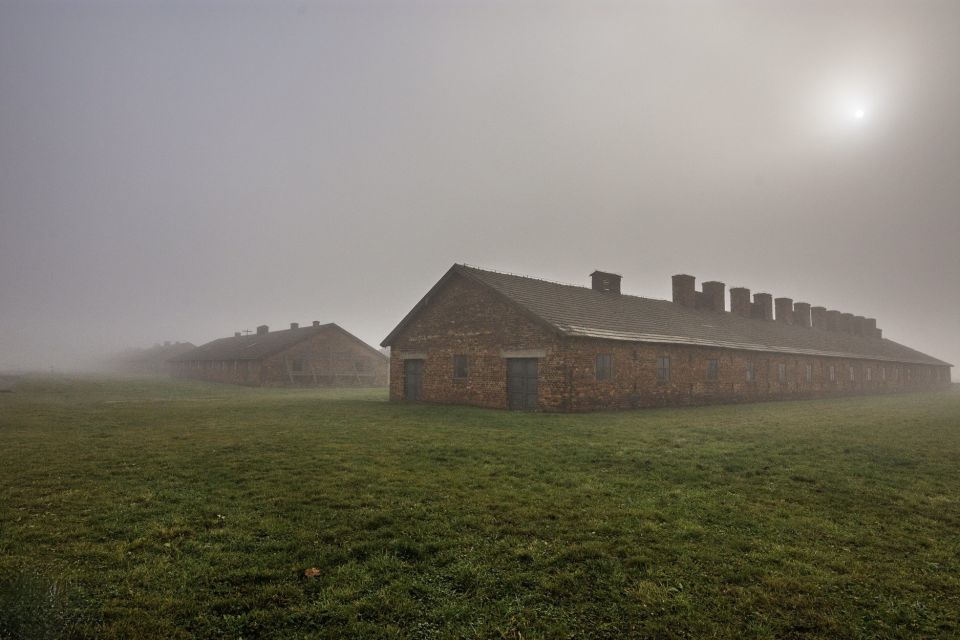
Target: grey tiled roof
(581, 311)
(255, 347)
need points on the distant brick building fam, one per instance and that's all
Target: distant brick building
(497, 340)
(152, 361)
(321, 355)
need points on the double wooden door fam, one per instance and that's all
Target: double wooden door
(412, 380)
(522, 383)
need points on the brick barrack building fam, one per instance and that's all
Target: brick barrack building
(321, 355)
(497, 340)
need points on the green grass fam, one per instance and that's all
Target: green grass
(175, 509)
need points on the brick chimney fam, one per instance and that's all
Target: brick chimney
(784, 310)
(294, 325)
(833, 320)
(262, 330)
(714, 296)
(685, 290)
(818, 317)
(316, 323)
(870, 329)
(740, 301)
(846, 322)
(801, 314)
(763, 306)
(859, 325)
(604, 281)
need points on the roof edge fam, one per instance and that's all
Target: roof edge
(369, 348)
(386, 342)
(686, 342)
(307, 335)
(464, 270)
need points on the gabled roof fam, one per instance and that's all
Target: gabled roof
(584, 312)
(257, 347)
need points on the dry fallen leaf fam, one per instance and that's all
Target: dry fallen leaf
(312, 572)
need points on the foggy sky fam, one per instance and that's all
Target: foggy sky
(181, 171)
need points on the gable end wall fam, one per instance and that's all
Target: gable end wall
(466, 318)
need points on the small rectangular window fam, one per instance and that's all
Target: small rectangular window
(853, 376)
(663, 368)
(604, 366)
(713, 368)
(883, 373)
(782, 372)
(809, 373)
(869, 374)
(460, 370)
(750, 372)
(833, 373)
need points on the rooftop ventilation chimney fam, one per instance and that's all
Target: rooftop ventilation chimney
(685, 290)
(784, 310)
(236, 334)
(763, 306)
(740, 302)
(294, 325)
(833, 320)
(846, 322)
(262, 330)
(818, 317)
(603, 281)
(713, 296)
(316, 323)
(801, 314)
(859, 326)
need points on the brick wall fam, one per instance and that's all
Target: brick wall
(245, 372)
(635, 382)
(464, 318)
(329, 359)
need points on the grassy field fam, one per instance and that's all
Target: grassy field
(161, 509)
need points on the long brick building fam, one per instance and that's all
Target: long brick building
(498, 340)
(316, 355)
(152, 361)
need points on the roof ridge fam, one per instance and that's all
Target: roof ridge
(556, 282)
(517, 275)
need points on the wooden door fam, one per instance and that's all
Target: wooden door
(522, 383)
(412, 380)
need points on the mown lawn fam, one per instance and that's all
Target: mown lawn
(162, 509)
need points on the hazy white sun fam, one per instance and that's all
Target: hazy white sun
(859, 113)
